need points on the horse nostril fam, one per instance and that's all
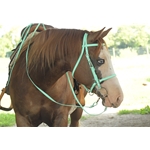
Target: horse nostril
(119, 99)
(114, 106)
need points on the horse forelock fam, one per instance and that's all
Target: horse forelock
(51, 45)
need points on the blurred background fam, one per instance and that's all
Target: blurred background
(128, 41)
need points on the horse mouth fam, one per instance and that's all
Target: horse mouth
(102, 93)
(108, 104)
(105, 99)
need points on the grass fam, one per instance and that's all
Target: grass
(7, 120)
(142, 111)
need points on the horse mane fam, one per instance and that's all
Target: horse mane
(52, 44)
(33, 26)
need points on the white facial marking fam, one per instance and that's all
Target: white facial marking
(107, 68)
(115, 94)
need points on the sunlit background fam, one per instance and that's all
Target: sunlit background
(89, 14)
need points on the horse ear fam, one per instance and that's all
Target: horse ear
(105, 33)
(93, 36)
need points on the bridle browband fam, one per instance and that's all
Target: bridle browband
(97, 81)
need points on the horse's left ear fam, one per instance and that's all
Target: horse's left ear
(93, 36)
(105, 33)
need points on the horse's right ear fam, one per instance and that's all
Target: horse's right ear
(93, 36)
(105, 33)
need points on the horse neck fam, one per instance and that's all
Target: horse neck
(51, 75)
(63, 56)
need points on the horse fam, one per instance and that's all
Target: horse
(42, 63)
(78, 89)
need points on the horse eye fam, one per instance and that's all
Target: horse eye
(101, 61)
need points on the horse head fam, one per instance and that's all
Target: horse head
(83, 53)
(97, 70)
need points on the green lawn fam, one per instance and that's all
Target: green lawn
(7, 119)
(142, 111)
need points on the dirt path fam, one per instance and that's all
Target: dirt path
(114, 120)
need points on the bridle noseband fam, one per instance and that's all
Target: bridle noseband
(97, 81)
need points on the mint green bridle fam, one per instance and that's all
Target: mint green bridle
(97, 81)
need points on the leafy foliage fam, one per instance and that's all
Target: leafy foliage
(135, 37)
(8, 40)
(145, 110)
(130, 36)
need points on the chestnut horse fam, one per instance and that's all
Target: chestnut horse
(44, 59)
(80, 91)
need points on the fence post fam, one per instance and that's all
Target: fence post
(147, 50)
(114, 53)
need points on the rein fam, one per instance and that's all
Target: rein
(24, 35)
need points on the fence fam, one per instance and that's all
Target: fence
(129, 52)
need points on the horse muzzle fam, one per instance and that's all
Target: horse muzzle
(107, 100)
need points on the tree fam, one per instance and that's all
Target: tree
(8, 40)
(132, 36)
(136, 37)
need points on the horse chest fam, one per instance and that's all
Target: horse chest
(73, 108)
